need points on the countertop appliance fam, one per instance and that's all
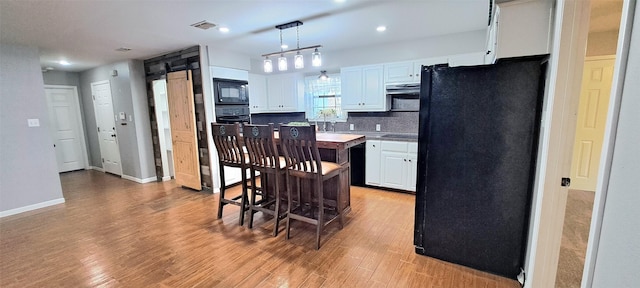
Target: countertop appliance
(477, 147)
(230, 92)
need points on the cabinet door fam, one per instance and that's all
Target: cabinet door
(373, 93)
(274, 92)
(400, 72)
(257, 93)
(393, 169)
(289, 97)
(372, 163)
(469, 59)
(351, 86)
(412, 171)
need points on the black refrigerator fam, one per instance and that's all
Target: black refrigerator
(477, 148)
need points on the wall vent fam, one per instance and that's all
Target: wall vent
(204, 25)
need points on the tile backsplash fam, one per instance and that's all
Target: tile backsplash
(392, 121)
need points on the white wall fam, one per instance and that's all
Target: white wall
(28, 169)
(618, 252)
(142, 119)
(128, 91)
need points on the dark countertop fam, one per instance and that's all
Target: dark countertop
(379, 135)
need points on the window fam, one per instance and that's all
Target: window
(323, 99)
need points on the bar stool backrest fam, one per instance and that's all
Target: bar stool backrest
(227, 140)
(300, 148)
(261, 145)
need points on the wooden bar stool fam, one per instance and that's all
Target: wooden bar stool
(231, 153)
(265, 159)
(303, 159)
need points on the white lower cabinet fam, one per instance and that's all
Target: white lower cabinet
(372, 163)
(392, 164)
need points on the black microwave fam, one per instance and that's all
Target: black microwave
(227, 91)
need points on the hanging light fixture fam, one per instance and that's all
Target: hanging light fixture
(268, 66)
(282, 61)
(323, 75)
(316, 58)
(298, 59)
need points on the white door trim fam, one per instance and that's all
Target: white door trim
(608, 145)
(76, 100)
(556, 141)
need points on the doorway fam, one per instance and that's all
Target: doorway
(105, 121)
(602, 40)
(164, 127)
(66, 127)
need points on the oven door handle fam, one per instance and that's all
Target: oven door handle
(234, 118)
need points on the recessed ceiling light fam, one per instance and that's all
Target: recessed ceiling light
(381, 28)
(338, 1)
(64, 62)
(223, 29)
(284, 46)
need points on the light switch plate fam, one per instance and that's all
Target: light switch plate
(352, 127)
(377, 127)
(33, 122)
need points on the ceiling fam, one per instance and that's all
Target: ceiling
(87, 33)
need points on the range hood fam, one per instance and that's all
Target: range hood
(403, 89)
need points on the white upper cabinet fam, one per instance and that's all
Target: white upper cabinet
(522, 28)
(363, 89)
(469, 59)
(399, 72)
(257, 93)
(282, 93)
(409, 71)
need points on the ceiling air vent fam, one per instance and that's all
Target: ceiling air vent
(123, 49)
(204, 25)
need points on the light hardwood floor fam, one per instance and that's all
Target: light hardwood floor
(117, 233)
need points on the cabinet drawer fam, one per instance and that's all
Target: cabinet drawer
(394, 146)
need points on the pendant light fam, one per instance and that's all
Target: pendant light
(282, 61)
(268, 66)
(298, 59)
(316, 58)
(323, 75)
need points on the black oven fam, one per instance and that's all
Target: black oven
(227, 114)
(226, 91)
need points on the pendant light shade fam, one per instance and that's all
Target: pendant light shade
(268, 66)
(282, 63)
(316, 58)
(298, 61)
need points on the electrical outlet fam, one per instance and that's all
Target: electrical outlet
(352, 127)
(377, 127)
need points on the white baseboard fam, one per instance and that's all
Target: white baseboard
(141, 181)
(96, 168)
(166, 178)
(31, 207)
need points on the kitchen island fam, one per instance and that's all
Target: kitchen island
(334, 147)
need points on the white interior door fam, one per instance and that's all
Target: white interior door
(592, 117)
(66, 127)
(105, 120)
